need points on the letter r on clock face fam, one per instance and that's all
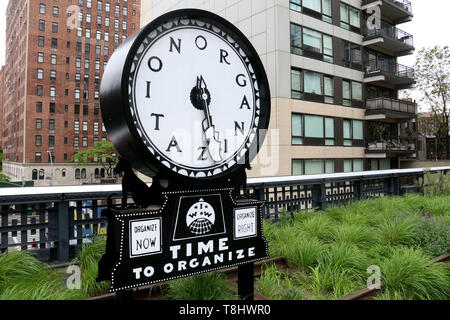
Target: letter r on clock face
(191, 125)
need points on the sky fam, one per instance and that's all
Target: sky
(430, 27)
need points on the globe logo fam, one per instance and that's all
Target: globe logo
(200, 218)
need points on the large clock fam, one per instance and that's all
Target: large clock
(186, 95)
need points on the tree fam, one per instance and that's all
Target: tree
(102, 152)
(433, 81)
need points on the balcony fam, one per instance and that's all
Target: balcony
(392, 145)
(390, 74)
(398, 11)
(389, 39)
(386, 108)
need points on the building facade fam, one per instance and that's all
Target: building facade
(56, 51)
(334, 79)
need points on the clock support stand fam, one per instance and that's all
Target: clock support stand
(229, 210)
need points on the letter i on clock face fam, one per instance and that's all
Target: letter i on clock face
(198, 94)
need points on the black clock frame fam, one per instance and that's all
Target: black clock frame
(118, 119)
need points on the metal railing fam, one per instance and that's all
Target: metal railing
(53, 222)
(389, 104)
(393, 144)
(390, 31)
(396, 69)
(402, 4)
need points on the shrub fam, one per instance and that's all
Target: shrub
(410, 273)
(211, 286)
(23, 277)
(432, 236)
(303, 253)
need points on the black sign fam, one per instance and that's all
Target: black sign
(193, 232)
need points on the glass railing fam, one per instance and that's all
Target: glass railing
(389, 104)
(384, 66)
(390, 31)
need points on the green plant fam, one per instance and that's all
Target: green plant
(211, 286)
(410, 273)
(432, 236)
(397, 230)
(88, 259)
(275, 285)
(303, 253)
(23, 277)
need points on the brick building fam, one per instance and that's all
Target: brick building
(56, 51)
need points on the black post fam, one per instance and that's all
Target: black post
(63, 231)
(246, 284)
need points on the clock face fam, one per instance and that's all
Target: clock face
(194, 97)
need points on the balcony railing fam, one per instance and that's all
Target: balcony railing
(402, 4)
(391, 68)
(394, 145)
(390, 31)
(387, 104)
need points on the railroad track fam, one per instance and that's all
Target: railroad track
(157, 292)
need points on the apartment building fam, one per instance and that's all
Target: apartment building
(56, 51)
(334, 80)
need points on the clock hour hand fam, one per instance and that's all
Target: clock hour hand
(212, 136)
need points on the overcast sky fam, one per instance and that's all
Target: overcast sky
(430, 26)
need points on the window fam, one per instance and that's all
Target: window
(320, 9)
(38, 107)
(78, 63)
(51, 124)
(99, 6)
(38, 141)
(124, 25)
(88, 18)
(53, 75)
(35, 174)
(351, 55)
(311, 43)
(42, 8)
(55, 11)
(352, 93)
(76, 126)
(51, 141)
(76, 142)
(38, 124)
(78, 47)
(350, 18)
(312, 86)
(312, 130)
(41, 41)
(41, 25)
(52, 107)
(53, 59)
(55, 27)
(40, 74)
(310, 167)
(353, 165)
(77, 94)
(54, 43)
(87, 48)
(85, 142)
(107, 7)
(76, 109)
(85, 126)
(83, 173)
(106, 22)
(96, 127)
(40, 57)
(52, 92)
(88, 33)
(125, 11)
(353, 130)
(98, 35)
(77, 174)
(38, 157)
(39, 91)
(89, 4)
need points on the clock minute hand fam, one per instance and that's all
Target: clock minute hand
(212, 136)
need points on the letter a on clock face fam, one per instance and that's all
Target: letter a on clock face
(195, 96)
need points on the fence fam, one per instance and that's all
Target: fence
(55, 221)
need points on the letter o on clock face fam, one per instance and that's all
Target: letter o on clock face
(187, 95)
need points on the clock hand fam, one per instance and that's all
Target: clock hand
(212, 136)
